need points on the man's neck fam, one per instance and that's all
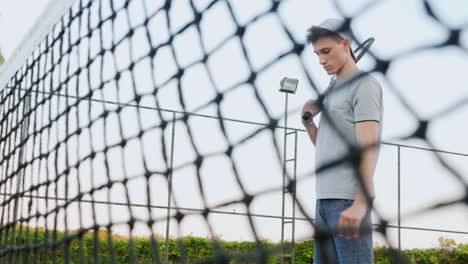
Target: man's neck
(346, 70)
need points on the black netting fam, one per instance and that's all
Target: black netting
(86, 127)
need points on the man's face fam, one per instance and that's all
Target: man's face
(332, 53)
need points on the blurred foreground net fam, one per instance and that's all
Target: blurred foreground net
(81, 122)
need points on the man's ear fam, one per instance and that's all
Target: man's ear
(347, 43)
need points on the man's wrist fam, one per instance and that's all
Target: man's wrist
(360, 203)
(308, 124)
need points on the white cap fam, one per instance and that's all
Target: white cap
(335, 25)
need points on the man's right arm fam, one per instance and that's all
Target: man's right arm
(310, 107)
(311, 131)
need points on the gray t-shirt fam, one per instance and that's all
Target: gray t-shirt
(358, 97)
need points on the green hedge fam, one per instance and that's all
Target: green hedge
(194, 249)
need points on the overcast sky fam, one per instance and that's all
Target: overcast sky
(429, 81)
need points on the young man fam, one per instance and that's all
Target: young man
(351, 119)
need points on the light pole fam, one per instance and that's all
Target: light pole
(288, 86)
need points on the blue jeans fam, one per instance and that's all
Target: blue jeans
(333, 249)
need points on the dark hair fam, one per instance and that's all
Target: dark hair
(315, 33)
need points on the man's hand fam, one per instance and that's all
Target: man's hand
(350, 220)
(311, 107)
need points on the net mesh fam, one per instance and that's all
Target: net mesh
(83, 125)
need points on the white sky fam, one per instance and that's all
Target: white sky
(430, 81)
(16, 19)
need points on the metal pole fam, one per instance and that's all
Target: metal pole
(399, 201)
(294, 200)
(284, 173)
(223, 118)
(169, 192)
(198, 211)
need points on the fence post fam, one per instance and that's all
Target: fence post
(169, 191)
(399, 201)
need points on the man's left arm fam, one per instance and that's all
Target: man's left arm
(367, 138)
(351, 218)
(367, 104)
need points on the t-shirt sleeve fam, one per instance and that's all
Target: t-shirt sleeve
(367, 101)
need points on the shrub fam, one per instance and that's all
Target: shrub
(195, 249)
